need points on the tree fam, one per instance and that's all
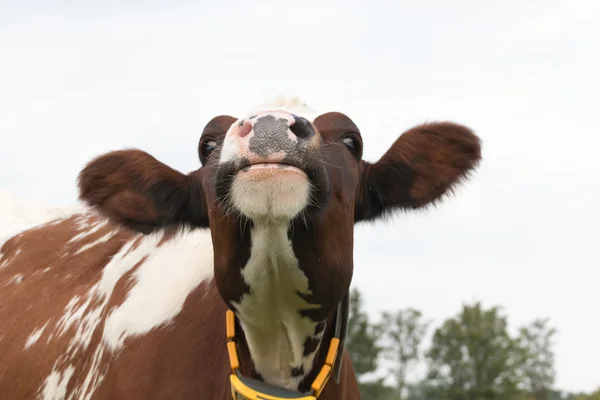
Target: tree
(592, 396)
(562, 395)
(473, 357)
(363, 348)
(404, 331)
(420, 391)
(377, 390)
(537, 363)
(362, 337)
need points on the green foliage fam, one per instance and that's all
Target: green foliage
(361, 342)
(377, 390)
(591, 396)
(362, 345)
(472, 356)
(404, 331)
(537, 362)
(420, 391)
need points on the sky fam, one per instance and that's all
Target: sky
(80, 79)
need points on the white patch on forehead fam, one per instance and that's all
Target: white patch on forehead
(162, 284)
(35, 336)
(270, 317)
(55, 386)
(291, 104)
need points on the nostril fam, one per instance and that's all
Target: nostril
(302, 128)
(245, 129)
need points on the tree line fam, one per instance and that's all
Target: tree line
(471, 356)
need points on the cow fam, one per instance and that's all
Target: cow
(231, 281)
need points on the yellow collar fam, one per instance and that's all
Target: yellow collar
(243, 388)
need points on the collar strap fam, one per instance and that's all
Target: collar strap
(243, 388)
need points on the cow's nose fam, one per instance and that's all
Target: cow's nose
(302, 128)
(274, 126)
(272, 136)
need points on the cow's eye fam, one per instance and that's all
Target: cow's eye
(353, 143)
(208, 147)
(349, 142)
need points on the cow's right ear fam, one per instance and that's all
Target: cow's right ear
(134, 189)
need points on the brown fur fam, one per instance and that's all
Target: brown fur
(424, 164)
(42, 297)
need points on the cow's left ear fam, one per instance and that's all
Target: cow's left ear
(423, 165)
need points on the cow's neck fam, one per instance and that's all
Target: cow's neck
(281, 341)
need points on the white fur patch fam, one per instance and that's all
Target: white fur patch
(162, 284)
(96, 242)
(35, 336)
(274, 329)
(82, 224)
(166, 275)
(55, 386)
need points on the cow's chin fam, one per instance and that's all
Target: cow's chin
(270, 192)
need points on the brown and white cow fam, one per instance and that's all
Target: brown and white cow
(127, 297)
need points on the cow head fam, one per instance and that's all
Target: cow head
(278, 171)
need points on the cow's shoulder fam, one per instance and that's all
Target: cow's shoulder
(77, 289)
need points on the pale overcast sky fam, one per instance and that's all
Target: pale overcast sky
(80, 79)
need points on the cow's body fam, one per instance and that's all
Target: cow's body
(105, 313)
(127, 299)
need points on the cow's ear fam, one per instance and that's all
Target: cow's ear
(133, 189)
(423, 165)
